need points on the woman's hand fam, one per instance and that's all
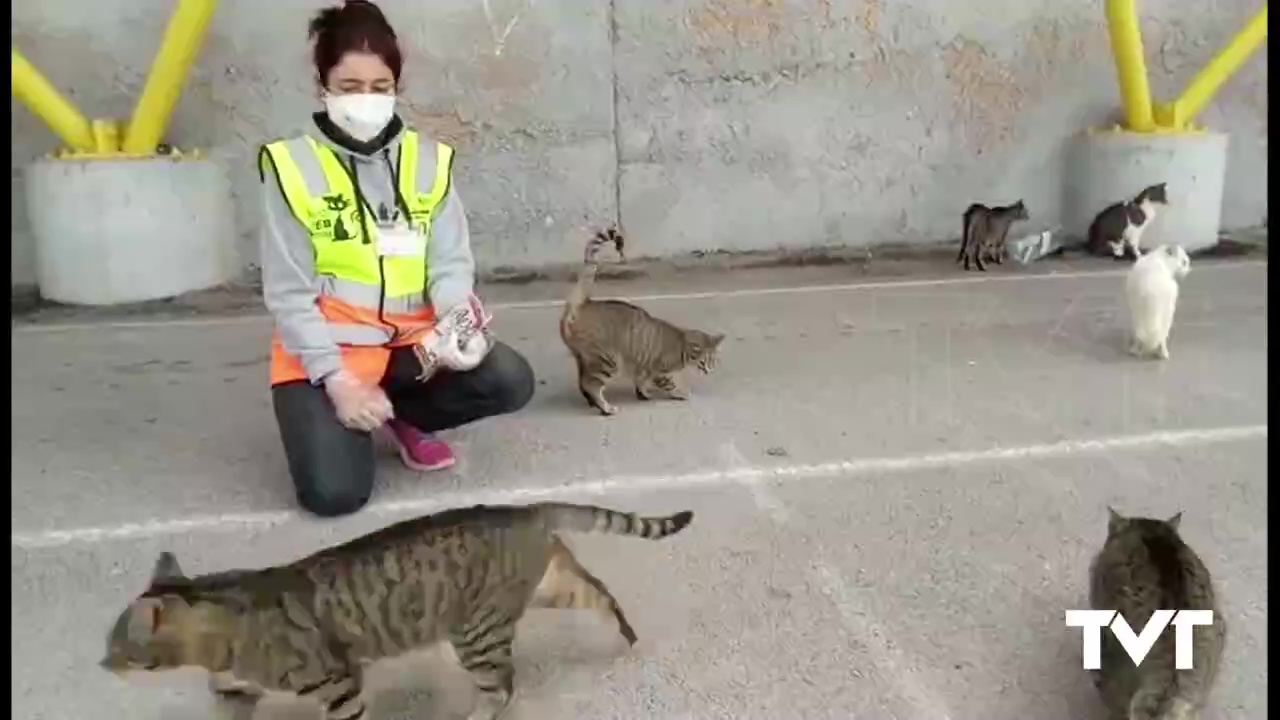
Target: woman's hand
(472, 326)
(459, 341)
(359, 406)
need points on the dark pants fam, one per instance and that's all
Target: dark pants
(333, 467)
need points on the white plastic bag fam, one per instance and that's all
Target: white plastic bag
(1029, 248)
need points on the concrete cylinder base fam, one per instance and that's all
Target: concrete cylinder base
(1108, 167)
(109, 232)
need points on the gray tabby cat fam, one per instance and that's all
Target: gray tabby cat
(986, 233)
(1117, 230)
(613, 338)
(463, 576)
(1145, 566)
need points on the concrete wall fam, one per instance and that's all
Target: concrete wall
(704, 124)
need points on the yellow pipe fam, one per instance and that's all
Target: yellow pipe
(44, 100)
(1202, 87)
(1131, 67)
(178, 50)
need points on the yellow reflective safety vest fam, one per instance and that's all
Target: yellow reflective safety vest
(371, 302)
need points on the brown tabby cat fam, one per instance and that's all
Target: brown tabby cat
(613, 338)
(986, 232)
(1145, 566)
(463, 576)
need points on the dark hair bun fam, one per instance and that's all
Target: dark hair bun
(354, 26)
(335, 18)
(365, 9)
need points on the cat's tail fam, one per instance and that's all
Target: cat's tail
(968, 226)
(1160, 703)
(593, 519)
(587, 275)
(1173, 710)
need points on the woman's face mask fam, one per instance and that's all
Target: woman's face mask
(361, 115)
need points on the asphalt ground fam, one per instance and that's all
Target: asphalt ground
(898, 486)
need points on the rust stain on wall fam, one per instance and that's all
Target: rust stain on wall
(1055, 47)
(892, 66)
(990, 94)
(824, 11)
(869, 16)
(727, 23)
(508, 72)
(447, 127)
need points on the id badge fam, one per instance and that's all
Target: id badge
(401, 241)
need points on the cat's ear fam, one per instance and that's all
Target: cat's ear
(1115, 521)
(144, 617)
(166, 568)
(1174, 521)
(716, 339)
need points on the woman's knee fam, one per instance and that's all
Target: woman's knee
(332, 497)
(337, 482)
(509, 379)
(332, 467)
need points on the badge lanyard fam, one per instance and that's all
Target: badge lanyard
(400, 203)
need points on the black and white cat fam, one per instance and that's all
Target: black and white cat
(1117, 230)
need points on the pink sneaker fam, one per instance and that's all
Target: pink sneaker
(418, 450)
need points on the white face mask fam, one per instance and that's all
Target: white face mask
(361, 115)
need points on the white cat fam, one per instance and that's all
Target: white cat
(1151, 288)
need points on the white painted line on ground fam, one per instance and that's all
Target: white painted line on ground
(656, 297)
(875, 285)
(744, 476)
(925, 702)
(892, 664)
(766, 501)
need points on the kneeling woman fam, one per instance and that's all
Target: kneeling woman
(365, 255)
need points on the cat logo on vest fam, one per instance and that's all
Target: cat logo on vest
(337, 228)
(1136, 646)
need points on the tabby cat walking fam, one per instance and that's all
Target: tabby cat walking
(611, 339)
(464, 576)
(986, 233)
(1145, 566)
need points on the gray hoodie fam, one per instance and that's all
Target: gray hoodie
(289, 283)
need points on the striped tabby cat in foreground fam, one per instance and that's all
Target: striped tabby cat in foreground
(463, 576)
(1145, 566)
(613, 338)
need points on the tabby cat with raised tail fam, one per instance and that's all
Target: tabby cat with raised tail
(1145, 566)
(1117, 230)
(986, 233)
(463, 576)
(612, 339)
